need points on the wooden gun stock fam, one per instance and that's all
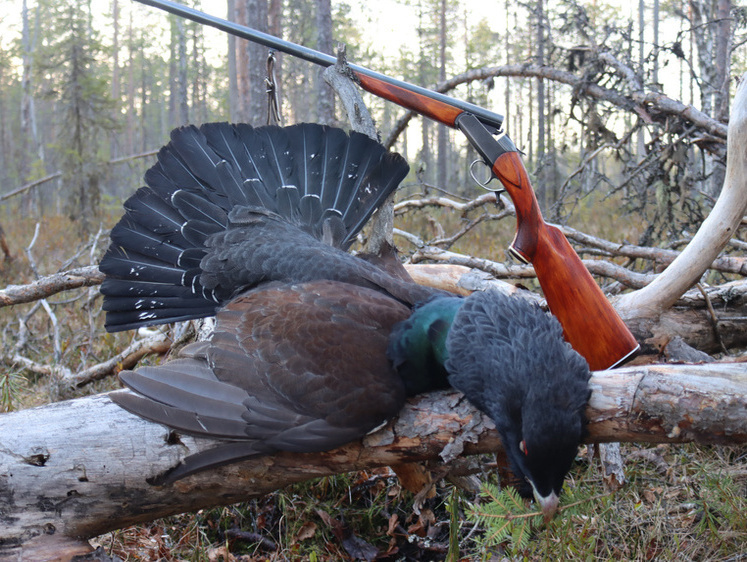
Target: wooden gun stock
(590, 323)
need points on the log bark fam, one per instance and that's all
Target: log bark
(72, 470)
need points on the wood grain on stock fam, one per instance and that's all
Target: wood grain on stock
(434, 109)
(590, 323)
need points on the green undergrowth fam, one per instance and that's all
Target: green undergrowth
(680, 503)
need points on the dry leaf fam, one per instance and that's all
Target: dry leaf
(306, 531)
(220, 554)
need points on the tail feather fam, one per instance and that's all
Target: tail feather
(150, 243)
(193, 207)
(258, 195)
(288, 203)
(195, 159)
(364, 198)
(189, 422)
(168, 303)
(351, 178)
(152, 213)
(226, 142)
(174, 385)
(130, 291)
(134, 319)
(231, 452)
(311, 210)
(319, 179)
(129, 264)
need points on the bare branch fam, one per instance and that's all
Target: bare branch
(447, 202)
(713, 234)
(128, 358)
(662, 256)
(638, 101)
(50, 285)
(24, 188)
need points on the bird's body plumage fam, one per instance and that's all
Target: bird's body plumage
(314, 347)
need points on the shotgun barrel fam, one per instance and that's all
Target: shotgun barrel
(488, 118)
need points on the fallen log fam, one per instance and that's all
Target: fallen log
(691, 319)
(73, 470)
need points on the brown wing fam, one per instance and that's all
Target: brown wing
(290, 367)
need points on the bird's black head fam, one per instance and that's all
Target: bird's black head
(509, 358)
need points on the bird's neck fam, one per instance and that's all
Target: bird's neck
(417, 346)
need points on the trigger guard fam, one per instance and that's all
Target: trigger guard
(474, 177)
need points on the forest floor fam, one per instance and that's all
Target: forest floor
(683, 502)
(680, 503)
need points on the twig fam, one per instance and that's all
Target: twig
(602, 268)
(498, 270)
(610, 270)
(661, 256)
(52, 317)
(480, 201)
(57, 371)
(29, 185)
(158, 344)
(447, 242)
(29, 255)
(25, 187)
(57, 349)
(23, 331)
(126, 359)
(122, 159)
(713, 318)
(637, 101)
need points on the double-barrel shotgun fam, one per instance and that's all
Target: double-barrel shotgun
(590, 323)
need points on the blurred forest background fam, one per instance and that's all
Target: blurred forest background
(88, 90)
(619, 107)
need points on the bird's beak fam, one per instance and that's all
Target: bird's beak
(548, 504)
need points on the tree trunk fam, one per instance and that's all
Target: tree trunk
(28, 112)
(233, 87)
(113, 152)
(76, 469)
(541, 114)
(655, 73)
(325, 106)
(181, 91)
(256, 55)
(242, 67)
(275, 25)
(442, 132)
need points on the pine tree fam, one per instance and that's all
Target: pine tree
(79, 86)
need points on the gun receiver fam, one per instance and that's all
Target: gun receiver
(590, 323)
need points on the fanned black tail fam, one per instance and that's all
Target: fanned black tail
(322, 181)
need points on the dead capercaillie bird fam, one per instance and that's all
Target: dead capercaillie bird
(314, 347)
